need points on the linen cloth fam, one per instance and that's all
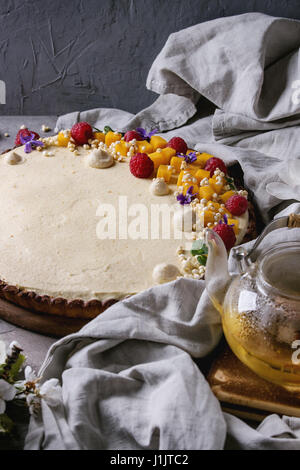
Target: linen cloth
(128, 378)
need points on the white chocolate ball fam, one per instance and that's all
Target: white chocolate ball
(165, 273)
(13, 158)
(159, 187)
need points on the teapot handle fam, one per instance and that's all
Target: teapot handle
(244, 258)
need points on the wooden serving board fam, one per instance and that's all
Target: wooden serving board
(52, 325)
(244, 394)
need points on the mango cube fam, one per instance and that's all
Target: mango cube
(169, 152)
(217, 187)
(202, 159)
(206, 192)
(235, 224)
(186, 186)
(144, 146)
(226, 196)
(111, 137)
(176, 163)
(121, 147)
(186, 176)
(62, 140)
(163, 157)
(201, 174)
(208, 217)
(157, 142)
(199, 163)
(165, 172)
(99, 136)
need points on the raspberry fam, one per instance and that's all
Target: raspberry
(130, 135)
(178, 144)
(24, 133)
(227, 234)
(82, 132)
(213, 163)
(141, 165)
(237, 205)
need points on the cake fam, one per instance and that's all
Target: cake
(65, 245)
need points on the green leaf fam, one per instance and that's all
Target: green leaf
(107, 129)
(15, 368)
(230, 182)
(202, 259)
(6, 424)
(199, 248)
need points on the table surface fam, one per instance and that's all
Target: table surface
(35, 346)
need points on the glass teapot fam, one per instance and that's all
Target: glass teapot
(260, 306)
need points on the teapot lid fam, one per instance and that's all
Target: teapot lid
(245, 259)
(279, 270)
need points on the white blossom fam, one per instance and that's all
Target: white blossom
(7, 393)
(12, 346)
(289, 188)
(51, 392)
(30, 375)
(33, 403)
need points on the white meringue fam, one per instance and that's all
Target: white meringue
(99, 158)
(13, 158)
(165, 273)
(159, 187)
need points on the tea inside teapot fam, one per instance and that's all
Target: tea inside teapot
(260, 311)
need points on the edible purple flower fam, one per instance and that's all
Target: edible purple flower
(143, 133)
(225, 221)
(190, 158)
(187, 198)
(30, 142)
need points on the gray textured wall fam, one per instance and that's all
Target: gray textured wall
(59, 56)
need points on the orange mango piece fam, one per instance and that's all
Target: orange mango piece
(144, 146)
(186, 176)
(165, 172)
(186, 186)
(202, 159)
(206, 192)
(235, 225)
(176, 163)
(99, 136)
(158, 142)
(201, 174)
(226, 196)
(111, 137)
(122, 148)
(199, 163)
(62, 139)
(217, 187)
(163, 157)
(208, 217)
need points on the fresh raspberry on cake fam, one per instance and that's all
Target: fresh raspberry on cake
(130, 135)
(226, 233)
(25, 133)
(178, 144)
(213, 163)
(236, 204)
(82, 132)
(141, 165)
